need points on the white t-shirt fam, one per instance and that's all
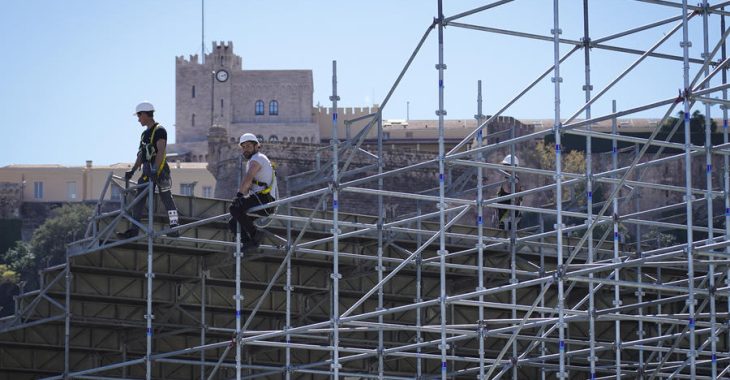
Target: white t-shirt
(265, 175)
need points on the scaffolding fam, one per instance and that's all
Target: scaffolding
(434, 294)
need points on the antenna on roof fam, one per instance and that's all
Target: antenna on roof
(202, 31)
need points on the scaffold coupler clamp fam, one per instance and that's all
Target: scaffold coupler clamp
(481, 328)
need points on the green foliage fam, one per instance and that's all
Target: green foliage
(10, 230)
(657, 239)
(47, 246)
(696, 124)
(8, 275)
(572, 162)
(67, 224)
(20, 258)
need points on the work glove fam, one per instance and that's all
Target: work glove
(238, 200)
(128, 175)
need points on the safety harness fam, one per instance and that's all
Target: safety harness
(267, 187)
(150, 151)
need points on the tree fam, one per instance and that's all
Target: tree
(47, 246)
(572, 162)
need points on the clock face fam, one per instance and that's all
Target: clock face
(221, 75)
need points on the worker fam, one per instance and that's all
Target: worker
(258, 187)
(151, 157)
(505, 215)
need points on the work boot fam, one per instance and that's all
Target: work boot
(250, 244)
(128, 234)
(173, 234)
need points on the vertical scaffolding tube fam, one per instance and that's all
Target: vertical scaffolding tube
(559, 190)
(238, 253)
(419, 262)
(688, 190)
(587, 87)
(203, 301)
(708, 196)
(288, 290)
(442, 216)
(513, 244)
(67, 322)
(639, 273)
(335, 232)
(726, 165)
(381, 268)
(480, 231)
(150, 275)
(617, 272)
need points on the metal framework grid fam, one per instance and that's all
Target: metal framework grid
(443, 301)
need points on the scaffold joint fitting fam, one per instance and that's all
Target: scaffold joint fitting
(440, 66)
(440, 112)
(336, 276)
(443, 252)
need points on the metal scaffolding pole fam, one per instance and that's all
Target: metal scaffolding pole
(335, 276)
(480, 229)
(616, 258)
(150, 275)
(688, 192)
(441, 112)
(587, 87)
(709, 197)
(559, 189)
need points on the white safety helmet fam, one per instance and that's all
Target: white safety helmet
(248, 137)
(510, 159)
(144, 106)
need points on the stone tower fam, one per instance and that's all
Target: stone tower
(276, 105)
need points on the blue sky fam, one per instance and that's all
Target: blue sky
(73, 70)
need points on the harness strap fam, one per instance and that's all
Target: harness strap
(152, 141)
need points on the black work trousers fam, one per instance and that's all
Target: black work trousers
(163, 184)
(238, 213)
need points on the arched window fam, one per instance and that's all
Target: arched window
(192, 120)
(259, 107)
(260, 138)
(273, 107)
(193, 91)
(306, 140)
(285, 139)
(273, 138)
(299, 139)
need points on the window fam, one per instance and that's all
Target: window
(193, 91)
(207, 192)
(221, 107)
(285, 139)
(259, 107)
(192, 120)
(409, 135)
(71, 190)
(187, 188)
(116, 194)
(299, 139)
(38, 190)
(273, 107)
(273, 138)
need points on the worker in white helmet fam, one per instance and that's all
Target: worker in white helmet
(505, 215)
(151, 157)
(257, 187)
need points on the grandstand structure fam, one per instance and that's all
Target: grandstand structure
(433, 294)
